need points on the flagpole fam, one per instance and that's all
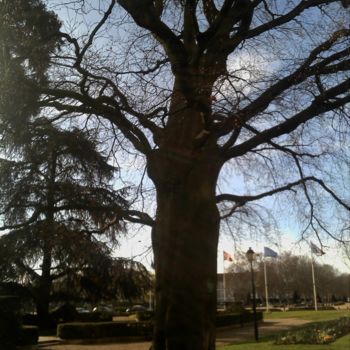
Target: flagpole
(224, 278)
(266, 288)
(313, 280)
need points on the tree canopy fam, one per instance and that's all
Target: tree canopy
(56, 202)
(289, 280)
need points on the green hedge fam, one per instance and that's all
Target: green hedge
(104, 330)
(316, 333)
(97, 330)
(9, 321)
(29, 319)
(225, 319)
(145, 315)
(28, 335)
(11, 331)
(306, 308)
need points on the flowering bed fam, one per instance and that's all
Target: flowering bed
(317, 333)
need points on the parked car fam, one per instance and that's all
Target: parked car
(106, 310)
(82, 310)
(135, 308)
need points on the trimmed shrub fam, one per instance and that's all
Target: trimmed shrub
(9, 321)
(30, 319)
(302, 308)
(225, 319)
(145, 315)
(235, 307)
(98, 330)
(28, 335)
(104, 330)
(64, 313)
(316, 333)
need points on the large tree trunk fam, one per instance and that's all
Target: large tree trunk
(184, 170)
(44, 290)
(45, 282)
(185, 245)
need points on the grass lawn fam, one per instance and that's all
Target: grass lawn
(267, 344)
(340, 344)
(308, 315)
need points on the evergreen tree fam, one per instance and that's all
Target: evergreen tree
(56, 202)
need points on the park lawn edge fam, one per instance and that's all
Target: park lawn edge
(341, 343)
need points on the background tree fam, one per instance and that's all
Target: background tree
(56, 202)
(258, 87)
(345, 248)
(105, 279)
(289, 280)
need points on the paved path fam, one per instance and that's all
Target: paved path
(228, 335)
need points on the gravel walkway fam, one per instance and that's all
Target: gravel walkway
(227, 335)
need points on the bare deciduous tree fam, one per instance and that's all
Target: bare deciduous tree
(195, 88)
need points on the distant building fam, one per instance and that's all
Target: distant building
(229, 283)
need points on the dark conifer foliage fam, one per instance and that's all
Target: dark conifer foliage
(28, 36)
(57, 200)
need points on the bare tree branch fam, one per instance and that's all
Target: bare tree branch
(295, 12)
(330, 100)
(241, 200)
(146, 16)
(210, 10)
(302, 73)
(124, 104)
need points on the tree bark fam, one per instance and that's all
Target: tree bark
(185, 241)
(45, 282)
(44, 290)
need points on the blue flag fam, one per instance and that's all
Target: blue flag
(270, 252)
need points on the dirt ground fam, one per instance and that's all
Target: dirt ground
(227, 335)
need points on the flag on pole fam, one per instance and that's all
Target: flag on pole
(316, 250)
(269, 252)
(227, 256)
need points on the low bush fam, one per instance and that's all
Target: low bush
(9, 321)
(145, 315)
(235, 307)
(274, 309)
(104, 330)
(97, 330)
(64, 313)
(305, 308)
(30, 319)
(226, 319)
(316, 333)
(28, 335)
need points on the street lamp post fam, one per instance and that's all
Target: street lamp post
(250, 257)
